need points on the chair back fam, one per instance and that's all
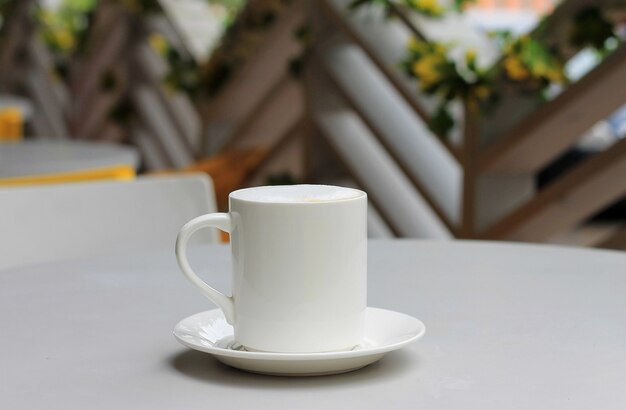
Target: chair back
(48, 223)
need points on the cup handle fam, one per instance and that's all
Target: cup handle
(221, 221)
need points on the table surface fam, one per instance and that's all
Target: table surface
(508, 327)
(37, 157)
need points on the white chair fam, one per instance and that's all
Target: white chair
(66, 221)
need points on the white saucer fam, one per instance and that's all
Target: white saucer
(385, 331)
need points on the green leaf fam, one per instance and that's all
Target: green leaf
(441, 123)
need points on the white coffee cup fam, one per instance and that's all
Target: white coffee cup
(299, 256)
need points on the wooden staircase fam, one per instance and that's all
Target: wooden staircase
(374, 116)
(354, 117)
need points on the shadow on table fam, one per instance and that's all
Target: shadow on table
(201, 366)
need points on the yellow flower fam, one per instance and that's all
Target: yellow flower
(515, 69)
(47, 17)
(414, 44)
(158, 43)
(426, 70)
(470, 56)
(555, 75)
(428, 6)
(540, 69)
(64, 39)
(482, 92)
(417, 45)
(440, 48)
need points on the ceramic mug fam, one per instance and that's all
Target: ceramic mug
(299, 256)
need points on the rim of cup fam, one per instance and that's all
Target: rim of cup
(308, 198)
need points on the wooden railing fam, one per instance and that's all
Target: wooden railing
(465, 186)
(354, 116)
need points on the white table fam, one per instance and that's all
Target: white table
(38, 157)
(508, 327)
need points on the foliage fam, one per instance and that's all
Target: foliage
(527, 60)
(241, 37)
(527, 63)
(442, 122)
(431, 8)
(438, 74)
(232, 8)
(183, 74)
(591, 29)
(63, 29)
(460, 5)
(187, 75)
(237, 44)
(295, 66)
(141, 6)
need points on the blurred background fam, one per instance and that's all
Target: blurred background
(485, 119)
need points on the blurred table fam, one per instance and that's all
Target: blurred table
(41, 157)
(24, 105)
(508, 327)
(15, 113)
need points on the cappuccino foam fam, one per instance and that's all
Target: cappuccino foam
(297, 194)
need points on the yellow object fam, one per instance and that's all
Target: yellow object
(428, 6)
(470, 56)
(417, 45)
(427, 70)
(11, 124)
(117, 172)
(482, 92)
(158, 43)
(64, 39)
(551, 73)
(515, 69)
